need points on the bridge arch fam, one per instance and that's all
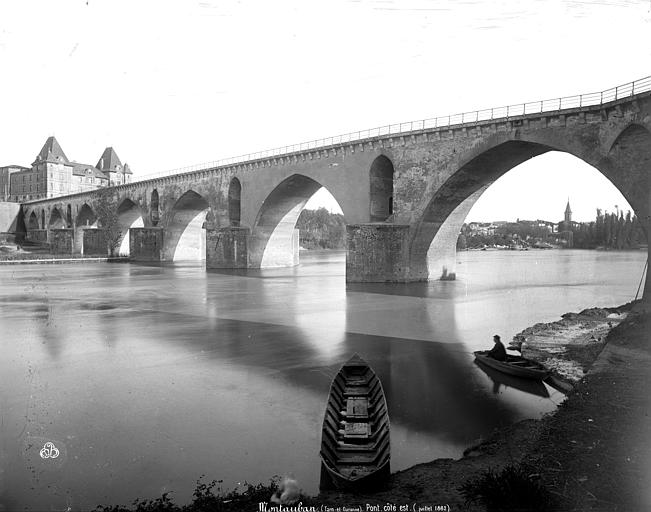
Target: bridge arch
(85, 219)
(433, 243)
(32, 222)
(42, 218)
(184, 238)
(129, 216)
(56, 219)
(234, 202)
(274, 242)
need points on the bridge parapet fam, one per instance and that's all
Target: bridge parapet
(555, 106)
(581, 108)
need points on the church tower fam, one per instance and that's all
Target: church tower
(568, 214)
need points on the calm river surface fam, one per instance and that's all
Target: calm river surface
(145, 378)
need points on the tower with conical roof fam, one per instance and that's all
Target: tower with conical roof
(568, 214)
(51, 172)
(109, 163)
(51, 152)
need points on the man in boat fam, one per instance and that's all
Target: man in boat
(498, 351)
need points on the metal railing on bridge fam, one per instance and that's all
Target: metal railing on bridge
(499, 113)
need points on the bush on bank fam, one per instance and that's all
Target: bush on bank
(515, 488)
(209, 497)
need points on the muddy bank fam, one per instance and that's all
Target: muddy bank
(601, 426)
(570, 345)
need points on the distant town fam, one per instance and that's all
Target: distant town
(617, 230)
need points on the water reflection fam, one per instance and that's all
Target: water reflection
(154, 375)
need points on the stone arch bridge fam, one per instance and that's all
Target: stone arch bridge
(404, 190)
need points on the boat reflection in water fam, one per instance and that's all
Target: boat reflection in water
(533, 387)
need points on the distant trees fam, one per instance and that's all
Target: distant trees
(320, 229)
(610, 231)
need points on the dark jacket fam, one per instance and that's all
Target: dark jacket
(498, 352)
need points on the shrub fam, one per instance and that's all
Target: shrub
(514, 489)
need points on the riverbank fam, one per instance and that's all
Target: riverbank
(14, 254)
(62, 259)
(591, 454)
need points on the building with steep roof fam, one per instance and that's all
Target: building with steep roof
(109, 163)
(51, 152)
(52, 174)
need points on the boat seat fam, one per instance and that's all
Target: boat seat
(354, 430)
(349, 447)
(356, 391)
(361, 459)
(357, 407)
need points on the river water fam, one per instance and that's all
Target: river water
(146, 377)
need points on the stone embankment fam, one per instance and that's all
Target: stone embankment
(569, 346)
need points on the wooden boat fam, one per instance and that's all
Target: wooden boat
(355, 446)
(515, 365)
(531, 386)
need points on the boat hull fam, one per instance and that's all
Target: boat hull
(355, 441)
(515, 365)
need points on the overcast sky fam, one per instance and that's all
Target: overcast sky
(175, 83)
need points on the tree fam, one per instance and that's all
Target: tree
(107, 216)
(320, 229)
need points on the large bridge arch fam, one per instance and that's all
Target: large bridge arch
(433, 242)
(184, 237)
(274, 242)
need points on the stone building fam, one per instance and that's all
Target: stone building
(52, 174)
(109, 163)
(5, 180)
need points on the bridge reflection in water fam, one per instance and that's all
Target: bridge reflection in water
(149, 376)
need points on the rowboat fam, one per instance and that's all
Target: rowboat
(531, 386)
(355, 446)
(515, 365)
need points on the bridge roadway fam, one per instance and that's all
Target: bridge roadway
(404, 195)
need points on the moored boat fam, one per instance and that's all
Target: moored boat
(515, 365)
(355, 441)
(531, 386)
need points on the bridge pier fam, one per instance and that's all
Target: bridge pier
(94, 242)
(145, 244)
(227, 247)
(379, 253)
(61, 241)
